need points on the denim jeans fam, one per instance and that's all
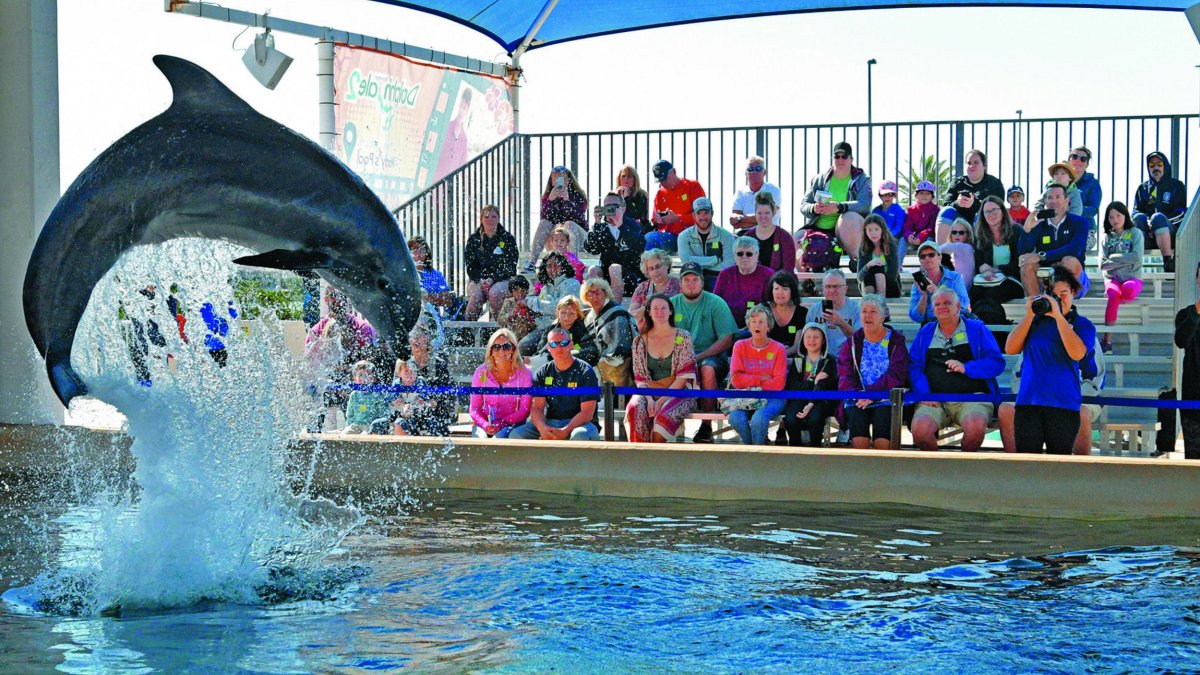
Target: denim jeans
(753, 427)
(586, 432)
(1152, 225)
(503, 432)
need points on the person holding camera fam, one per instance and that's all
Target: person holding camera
(928, 279)
(1058, 238)
(673, 206)
(837, 314)
(1053, 338)
(563, 203)
(619, 243)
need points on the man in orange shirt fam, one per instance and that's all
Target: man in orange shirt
(672, 207)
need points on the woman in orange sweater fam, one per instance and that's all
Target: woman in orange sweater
(758, 363)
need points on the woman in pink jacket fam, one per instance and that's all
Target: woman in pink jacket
(495, 415)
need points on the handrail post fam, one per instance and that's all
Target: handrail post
(960, 132)
(897, 401)
(610, 414)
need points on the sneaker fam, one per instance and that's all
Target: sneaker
(704, 433)
(1106, 345)
(843, 437)
(853, 265)
(530, 267)
(1169, 264)
(781, 438)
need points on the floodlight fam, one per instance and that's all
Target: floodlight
(264, 62)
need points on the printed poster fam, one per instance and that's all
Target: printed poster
(403, 125)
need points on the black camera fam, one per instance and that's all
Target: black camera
(826, 306)
(610, 209)
(921, 280)
(1040, 306)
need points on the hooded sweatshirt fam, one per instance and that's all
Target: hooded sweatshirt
(858, 195)
(802, 374)
(1167, 196)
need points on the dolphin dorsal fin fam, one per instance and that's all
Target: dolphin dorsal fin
(195, 87)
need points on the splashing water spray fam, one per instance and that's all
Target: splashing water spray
(210, 515)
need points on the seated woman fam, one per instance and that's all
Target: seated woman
(815, 369)
(557, 282)
(656, 265)
(1124, 246)
(879, 259)
(997, 277)
(437, 292)
(610, 329)
(758, 363)
(776, 248)
(875, 358)
(743, 285)
(439, 410)
(563, 203)
(569, 317)
(490, 257)
(495, 415)
(783, 299)
(663, 358)
(637, 202)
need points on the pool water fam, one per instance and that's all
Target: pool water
(506, 582)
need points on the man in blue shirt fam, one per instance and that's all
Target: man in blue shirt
(1060, 239)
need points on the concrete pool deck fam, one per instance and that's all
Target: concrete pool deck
(1028, 485)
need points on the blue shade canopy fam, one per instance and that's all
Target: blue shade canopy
(509, 21)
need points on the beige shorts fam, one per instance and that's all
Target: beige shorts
(945, 414)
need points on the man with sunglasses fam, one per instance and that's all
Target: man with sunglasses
(1089, 188)
(562, 417)
(743, 200)
(619, 242)
(1158, 207)
(929, 279)
(673, 206)
(838, 201)
(953, 355)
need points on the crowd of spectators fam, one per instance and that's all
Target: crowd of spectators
(737, 318)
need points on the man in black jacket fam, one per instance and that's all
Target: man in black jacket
(1158, 207)
(619, 243)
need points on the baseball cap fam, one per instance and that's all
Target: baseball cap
(661, 168)
(843, 147)
(928, 243)
(702, 204)
(925, 186)
(887, 187)
(1015, 189)
(691, 268)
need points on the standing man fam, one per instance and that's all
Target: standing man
(673, 206)
(743, 200)
(1058, 240)
(709, 247)
(953, 355)
(562, 417)
(839, 200)
(619, 243)
(1158, 207)
(708, 319)
(1187, 338)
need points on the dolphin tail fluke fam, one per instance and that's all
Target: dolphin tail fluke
(66, 382)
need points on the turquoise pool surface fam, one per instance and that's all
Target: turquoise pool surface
(515, 583)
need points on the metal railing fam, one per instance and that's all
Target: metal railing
(514, 172)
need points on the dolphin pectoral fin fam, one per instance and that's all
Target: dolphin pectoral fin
(283, 259)
(66, 382)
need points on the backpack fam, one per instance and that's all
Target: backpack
(817, 252)
(991, 312)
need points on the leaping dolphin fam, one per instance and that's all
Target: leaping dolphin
(212, 167)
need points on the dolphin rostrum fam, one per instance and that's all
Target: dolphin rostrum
(212, 167)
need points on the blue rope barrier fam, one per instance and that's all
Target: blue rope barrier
(910, 397)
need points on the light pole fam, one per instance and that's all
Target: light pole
(870, 131)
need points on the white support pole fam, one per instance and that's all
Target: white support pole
(325, 95)
(29, 189)
(514, 81)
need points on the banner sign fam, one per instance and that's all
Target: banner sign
(403, 125)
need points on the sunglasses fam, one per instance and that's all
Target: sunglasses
(840, 155)
(745, 254)
(559, 343)
(559, 169)
(959, 232)
(502, 347)
(1079, 158)
(923, 256)
(755, 169)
